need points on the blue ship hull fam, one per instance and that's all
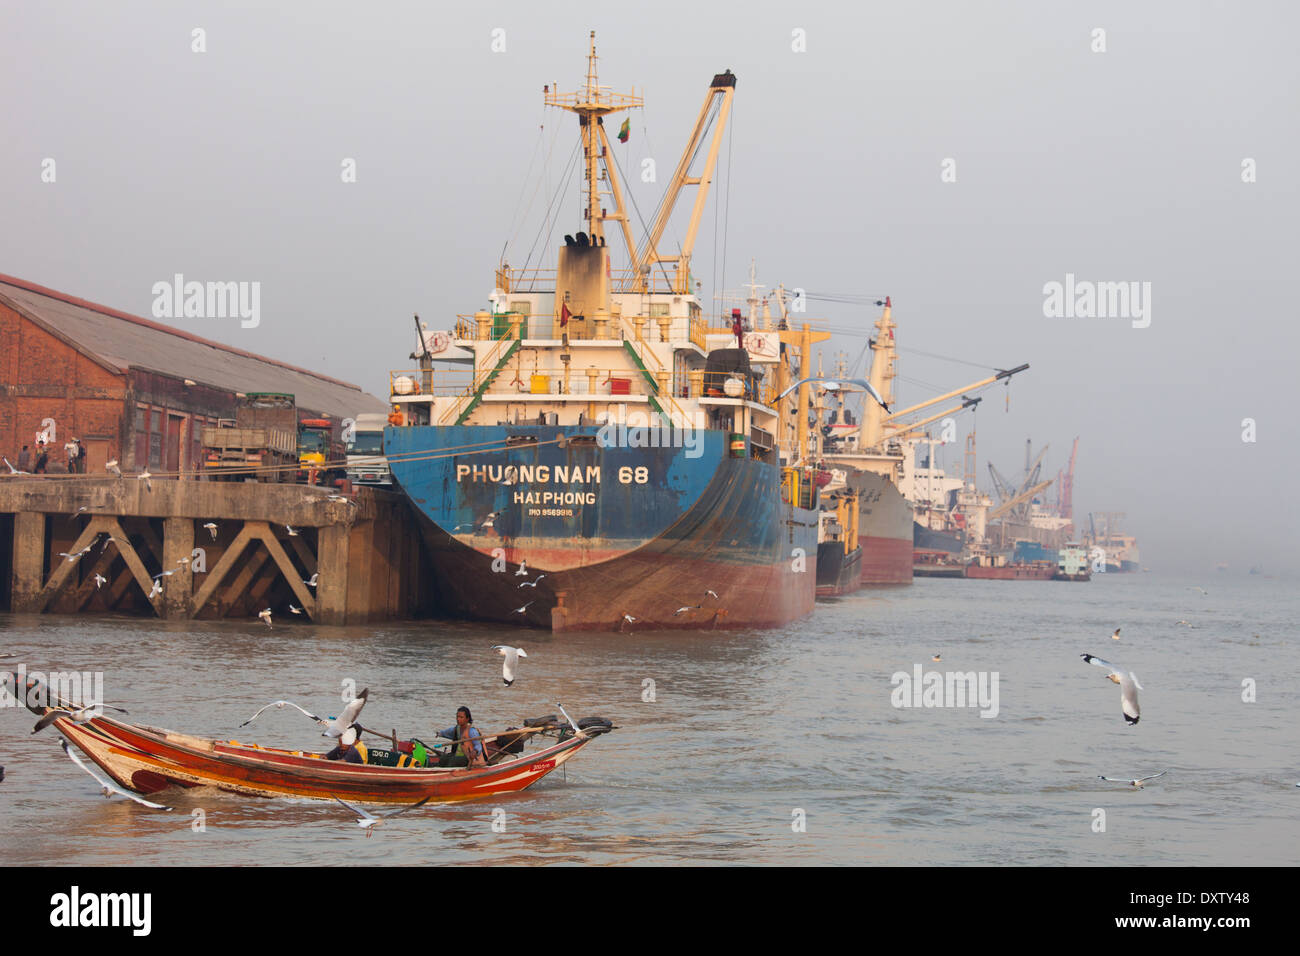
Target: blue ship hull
(584, 537)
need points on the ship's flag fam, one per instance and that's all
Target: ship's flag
(625, 130)
(564, 315)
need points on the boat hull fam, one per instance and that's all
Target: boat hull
(1012, 572)
(148, 760)
(838, 572)
(587, 537)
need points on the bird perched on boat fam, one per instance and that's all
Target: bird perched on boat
(1115, 636)
(108, 787)
(1133, 783)
(350, 713)
(521, 610)
(532, 583)
(523, 569)
(100, 581)
(511, 655)
(111, 466)
(265, 615)
(212, 529)
(146, 478)
(1128, 684)
(834, 386)
(281, 705)
(368, 821)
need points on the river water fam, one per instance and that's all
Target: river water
(767, 747)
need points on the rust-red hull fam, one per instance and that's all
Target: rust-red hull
(1012, 572)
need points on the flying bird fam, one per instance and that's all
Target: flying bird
(212, 529)
(79, 511)
(100, 581)
(265, 615)
(145, 477)
(629, 618)
(1128, 684)
(294, 610)
(523, 569)
(79, 714)
(835, 386)
(311, 581)
(71, 557)
(156, 589)
(164, 574)
(108, 786)
(938, 658)
(521, 610)
(683, 610)
(292, 533)
(281, 705)
(1133, 783)
(1116, 634)
(712, 594)
(1197, 587)
(367, 820)
(512, 655)
(111, 466)
(350, 713)
(532, 583)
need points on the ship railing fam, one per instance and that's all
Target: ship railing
(427, 381)
(485, 368)
(621, 281)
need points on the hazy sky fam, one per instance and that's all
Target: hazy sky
(1122, 165)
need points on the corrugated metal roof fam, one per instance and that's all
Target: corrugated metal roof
(126, 341)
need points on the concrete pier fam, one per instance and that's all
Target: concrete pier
(98, 544)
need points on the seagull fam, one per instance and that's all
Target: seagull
(512, 655)
(145, 476)
(164, 574)
(292, 533)
(712, 594)
(532, 583)
(109, 787)
(311, 582)
(70, 557)
(938, 658)
(833, 386)
(212, 529)
(13, 470)
(80, 715)
(523, 569)
(367, 820)
(683, 610)
(487, 522)
(629, 618)
(294, 610)
(281, 705)
(521, 610)
(112, 466)
(265, 615)
(156, 589)
(1129, 687)
(350, 713)
(107, 541)
(1197, 587)
(100, 581)
(1115, 636)
(1185, 623)
(79, 511)
(1133, 783)
(183, 562)
(335, 498)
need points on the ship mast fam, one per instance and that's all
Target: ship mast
(592, 104)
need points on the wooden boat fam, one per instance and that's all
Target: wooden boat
(149, 759)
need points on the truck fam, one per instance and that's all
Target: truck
(366, 462)
(320, 452)
(260, 443)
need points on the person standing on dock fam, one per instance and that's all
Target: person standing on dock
(42, 460)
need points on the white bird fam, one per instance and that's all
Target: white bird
(367, 820)
(487, 522)
(183, 562)
(79, 511)
(212, 529)
(164, 574)
(70, 557)
(294, 610)
(78, 714)
(712, 594)
(523, 569)
(629, 618)
(311, 582)
(1184, 623)
(108, 786)
(835, 386)
(532, 583)
(13, 470)
(107, 541)
(1115, 636)
(1133, 783)
(281, 705)
(350, 713)
(292, 533)
(683, 610)
(145, 477)
(100, 581)
(265, 615)
(112, 466)
(1128, 684)
(521, 610)
(512, 655)
(156, 589)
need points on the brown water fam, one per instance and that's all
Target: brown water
(744, 731)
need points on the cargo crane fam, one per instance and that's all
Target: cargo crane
(1065, 486)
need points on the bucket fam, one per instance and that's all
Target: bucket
(541, 384)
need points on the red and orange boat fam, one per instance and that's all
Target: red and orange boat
(149, 759)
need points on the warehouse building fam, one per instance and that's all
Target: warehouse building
(129, 388)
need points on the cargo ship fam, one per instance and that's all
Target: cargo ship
(839, 555)
(613, 460)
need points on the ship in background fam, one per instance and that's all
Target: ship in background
(614, 460)
(1113, 551)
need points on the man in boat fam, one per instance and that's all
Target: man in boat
(463, 730)
(350, 748)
